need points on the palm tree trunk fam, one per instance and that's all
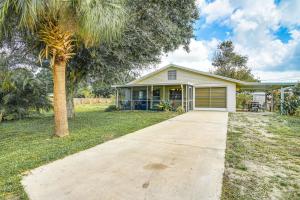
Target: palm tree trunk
(60, 108)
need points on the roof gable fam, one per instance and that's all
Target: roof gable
(152, 74)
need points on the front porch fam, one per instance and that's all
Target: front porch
(149, 97)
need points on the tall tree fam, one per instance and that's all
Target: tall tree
(153, 28)
(230, 64)
(57, 25)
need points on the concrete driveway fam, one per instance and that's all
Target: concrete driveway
(178, 159)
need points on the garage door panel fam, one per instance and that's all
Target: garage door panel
(202, 92)
(210, 97)
(202, 102)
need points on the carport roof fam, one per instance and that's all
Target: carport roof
(263, 86)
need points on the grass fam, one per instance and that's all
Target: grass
(27, 144)
(262, 157)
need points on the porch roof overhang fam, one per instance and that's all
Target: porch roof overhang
(151, 84)
(264, 86)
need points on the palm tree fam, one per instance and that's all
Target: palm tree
(60, 25)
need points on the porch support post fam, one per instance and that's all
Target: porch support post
(281, 99)
(151, 97)
(131, 98)
(164, 96)
(186, 98)
(147, 100)
(117, 98)
(182, 96)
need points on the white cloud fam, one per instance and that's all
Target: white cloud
(269, 76)
(215, 10)
(253, 24)
(290, 11)
(199, 56)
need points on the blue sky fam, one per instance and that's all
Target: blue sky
(267, 31)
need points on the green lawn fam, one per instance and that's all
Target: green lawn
(262, 157)
(27, 144)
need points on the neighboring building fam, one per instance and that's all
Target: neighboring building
(191, 89)
(259, 97)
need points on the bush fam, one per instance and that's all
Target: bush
(243, 99)
(297, 112)
(165, 106)
(21, 94)
(290, 105)
(103, 91)
(111, 108)
(180, 110)
(84, 92)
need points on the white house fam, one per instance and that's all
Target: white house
(191, 89)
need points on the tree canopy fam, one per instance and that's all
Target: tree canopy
(56, 27)
(153, 27)
(230, 64)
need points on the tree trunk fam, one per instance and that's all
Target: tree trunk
(60, 108)
(70, 105)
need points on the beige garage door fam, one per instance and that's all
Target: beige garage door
(210, 97)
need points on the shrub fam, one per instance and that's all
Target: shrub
(290, 105)
(21, 94)
(111, 108)
(180, 110)
(165, 106)
(243, 99)
(297, 112)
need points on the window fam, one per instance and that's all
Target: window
(175, 94)
(172, 75)
(156, 94)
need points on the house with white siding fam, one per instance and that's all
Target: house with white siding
(191, 89)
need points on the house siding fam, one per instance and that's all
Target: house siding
(197, 80)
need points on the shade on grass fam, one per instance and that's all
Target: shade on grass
(27, 144)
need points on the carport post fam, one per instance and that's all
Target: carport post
(266, 100)
(281, 99)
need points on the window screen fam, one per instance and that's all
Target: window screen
(175, 94)
(172, 75)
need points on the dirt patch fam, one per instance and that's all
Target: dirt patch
(155, 166)
(261, 157)
(146, 184)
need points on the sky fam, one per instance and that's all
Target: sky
(267, 31)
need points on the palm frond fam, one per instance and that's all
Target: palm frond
(101, 21)
(58, 42)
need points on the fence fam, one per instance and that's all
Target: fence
(79, 101)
